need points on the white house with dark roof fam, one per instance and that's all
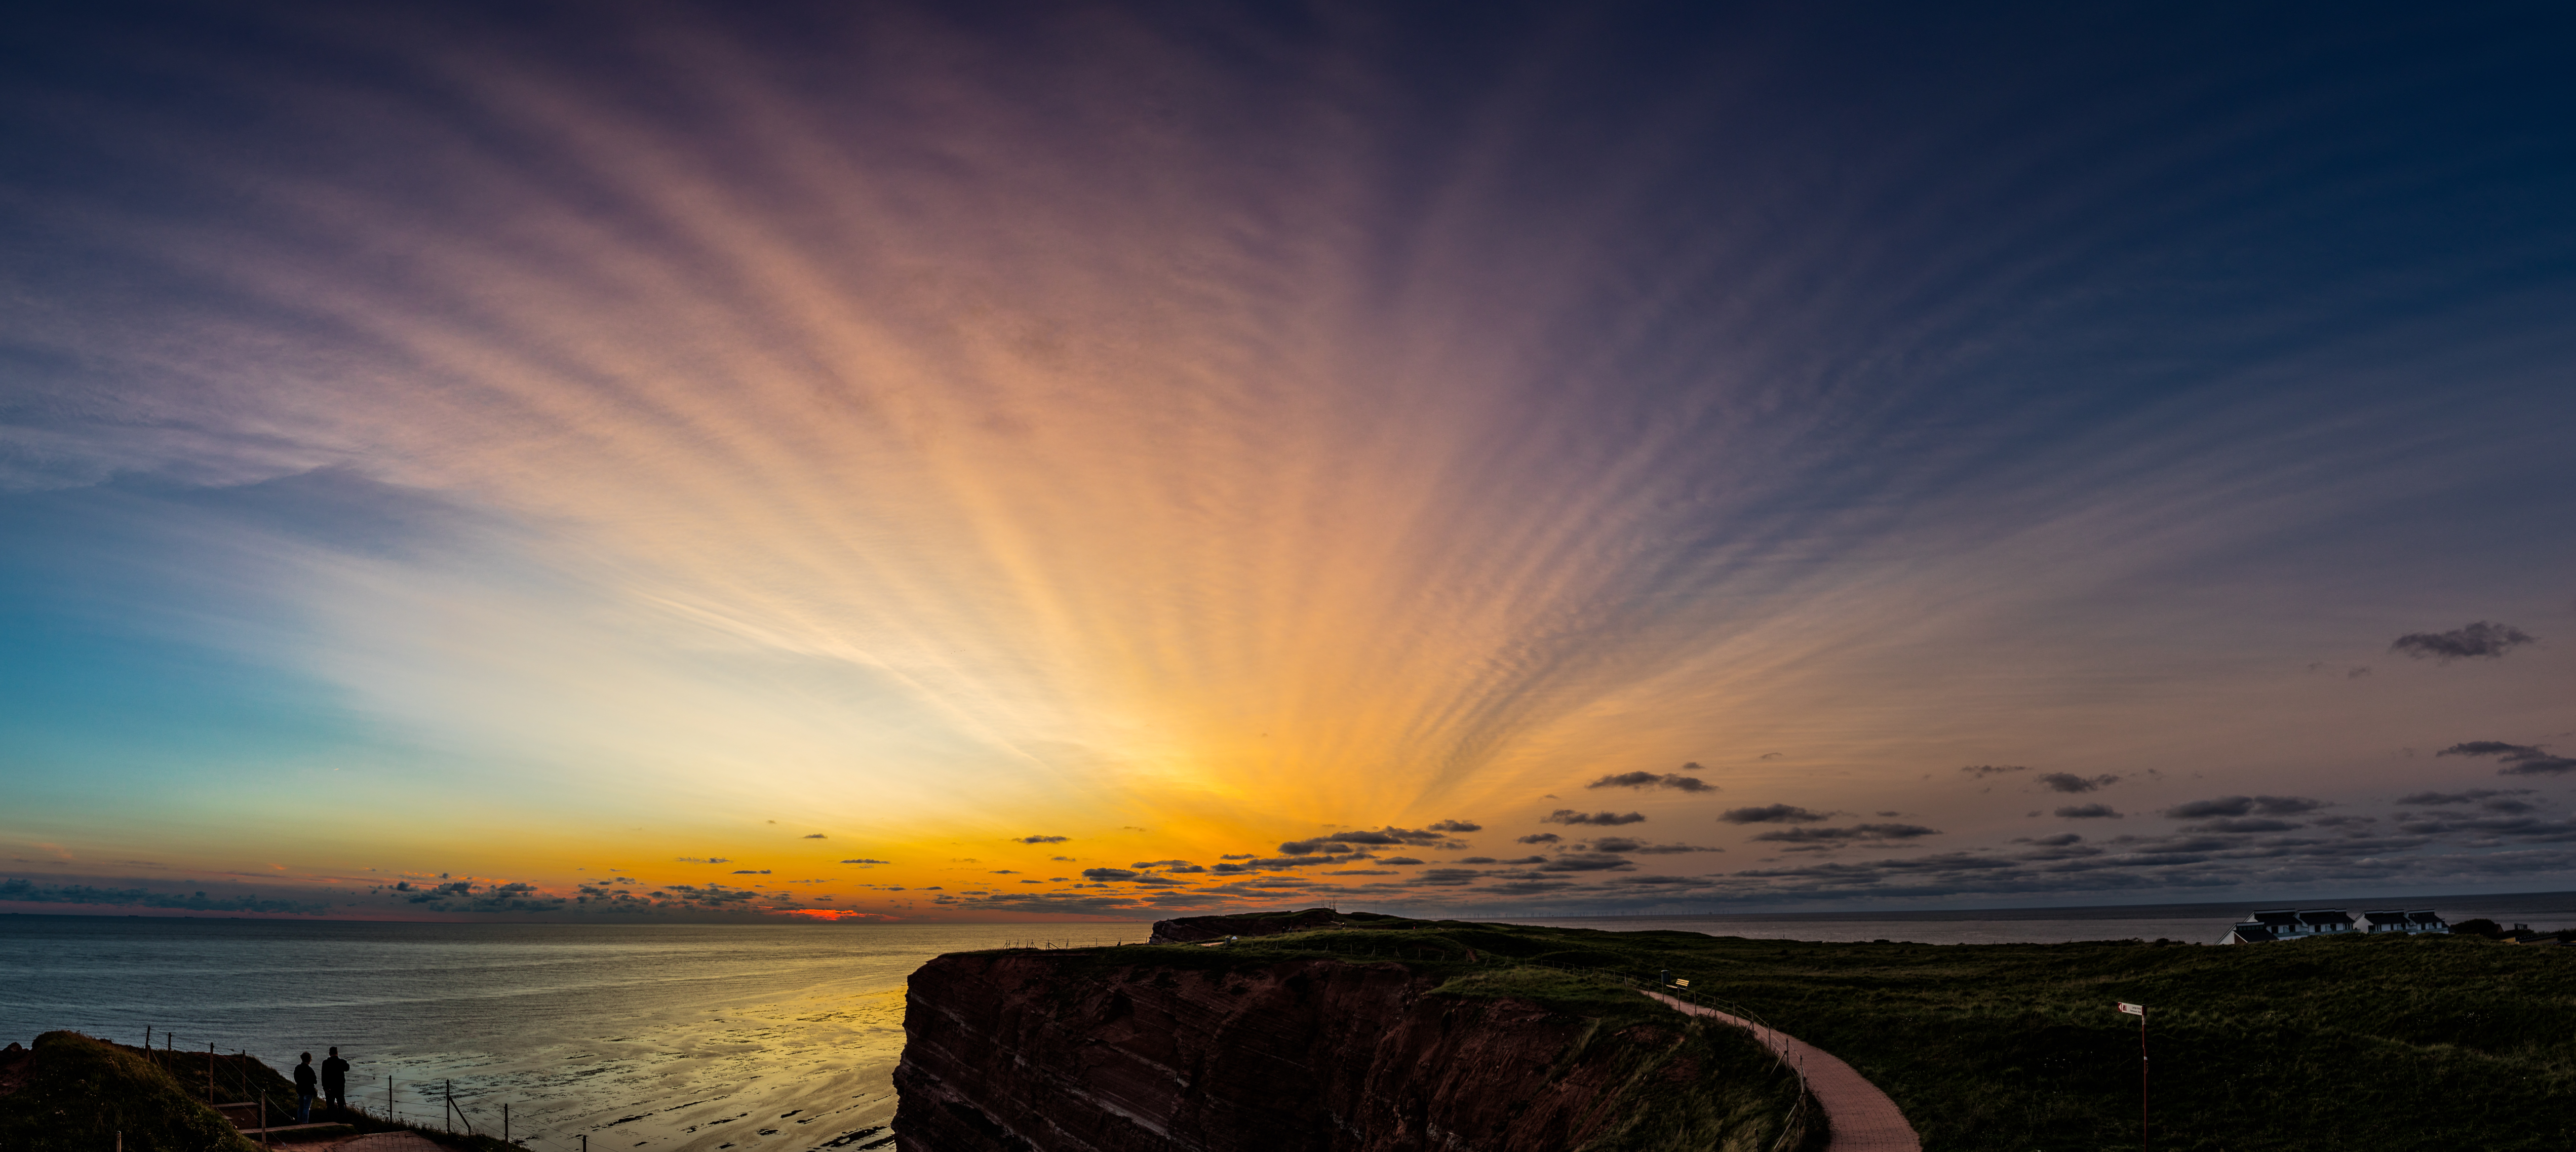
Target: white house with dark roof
(2309, 923)
(2409, 922)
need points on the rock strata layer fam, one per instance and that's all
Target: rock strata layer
(1054, 1051)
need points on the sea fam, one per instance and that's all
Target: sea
(699, 1038)
(775, 1037)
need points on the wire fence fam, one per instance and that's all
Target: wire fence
(228, 1083)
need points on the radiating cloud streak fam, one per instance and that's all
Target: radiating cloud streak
(947, 427)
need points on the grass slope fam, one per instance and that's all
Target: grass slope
(2381, 1043)
(78, 1093)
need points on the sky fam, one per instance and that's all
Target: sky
(1003, 462)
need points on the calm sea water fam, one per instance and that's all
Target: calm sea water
(772, 1037)
(696, 1038)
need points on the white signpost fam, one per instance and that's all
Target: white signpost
(2140, 1011)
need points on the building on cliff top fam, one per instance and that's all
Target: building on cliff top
(2307, 923)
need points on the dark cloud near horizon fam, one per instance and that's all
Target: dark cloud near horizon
(2517, 759)
(1625, 844)
(1387, 837)
(1456, 826)
(2486, 638)
(1981, 771)
(2088, 812)
(1587, 862)
(1651, 780)
(1041, 839)
(2070, 782)
(27, 891)
(1539, 838)
(1605, 819)
(2243, 805)
(2244, 826)
(1858, 833)
(1772, 814)
(2473, 795)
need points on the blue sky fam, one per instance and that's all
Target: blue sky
(531, 444)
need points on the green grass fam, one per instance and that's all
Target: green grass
(80, 1093)
(2362, 1043)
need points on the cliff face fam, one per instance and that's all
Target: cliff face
(1078, 1052)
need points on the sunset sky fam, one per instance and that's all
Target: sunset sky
(1001, 462)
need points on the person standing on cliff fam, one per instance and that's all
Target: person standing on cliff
(335, 1083)
(304, 1089)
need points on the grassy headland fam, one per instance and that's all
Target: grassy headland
(75, 1093)
(2381, 1043)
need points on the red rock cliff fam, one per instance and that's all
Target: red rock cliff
(1091, 1052)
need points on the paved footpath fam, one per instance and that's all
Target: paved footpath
(1861, 1118)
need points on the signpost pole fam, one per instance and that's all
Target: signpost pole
(2140, 1011)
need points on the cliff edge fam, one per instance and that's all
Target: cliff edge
(1181, 1049)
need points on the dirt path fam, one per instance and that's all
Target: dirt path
(374, 1142)
(1861, 1117)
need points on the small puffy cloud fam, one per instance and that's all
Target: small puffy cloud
(1651, 780)
(816, 836)
(1527, 860)
(1160, 864)
(1459, 826)
(1108, 874)
(864, 860)
(1399, 860)
(751, 872)
(2485, 638)
(1006, 872)
(1981, 771)
(2518, 759)
(1061, 859)
(1771, 814)
(1606, 819)
(2243, 805)
(2087, 812)
(1477, 860)
(1041, 840)
(1539, 838)
(2070, 782)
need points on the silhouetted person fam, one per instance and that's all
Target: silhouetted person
(304, 1090)
(335, 1081)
